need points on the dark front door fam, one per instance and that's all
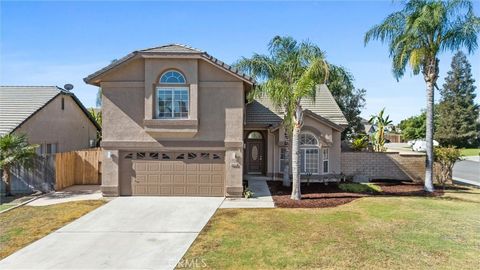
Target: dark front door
(255, 158)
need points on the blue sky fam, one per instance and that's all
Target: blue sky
(53, 43)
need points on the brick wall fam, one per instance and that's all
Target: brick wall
(376, 165)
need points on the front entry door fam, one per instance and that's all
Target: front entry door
(255, 157)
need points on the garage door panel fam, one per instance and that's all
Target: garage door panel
(192, 179)
(218, 167)
(217, 191)
(179, 179)
(166, 179)
(153, 179)
(179, 166)
(217, 180)
(179, 190)
(192, 167)
(167, 166)
(153, 166)
(187, 177)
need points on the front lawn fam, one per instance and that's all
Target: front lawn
(385, 232)
(470, 151)
(22, 226)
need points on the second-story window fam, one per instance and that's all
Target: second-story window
(172, 96)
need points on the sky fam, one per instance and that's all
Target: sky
(54, 43)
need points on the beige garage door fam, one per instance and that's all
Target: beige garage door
(178, 174)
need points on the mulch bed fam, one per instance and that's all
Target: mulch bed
(319, 195)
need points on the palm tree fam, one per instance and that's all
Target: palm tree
(287, 75)
(380, 122)
(416, 35)
(14, 151)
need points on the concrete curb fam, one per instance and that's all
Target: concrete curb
(25, 202)
(465, 181)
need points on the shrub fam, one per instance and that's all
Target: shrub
(359, 143)
(360, 188)
(248, 193)
(445, 158)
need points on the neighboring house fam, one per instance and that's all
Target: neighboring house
(176, 122)
(51, 117)
(368, 127)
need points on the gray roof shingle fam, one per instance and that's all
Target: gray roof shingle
(324, 105)
(18, 103)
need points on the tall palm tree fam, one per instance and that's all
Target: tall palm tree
(416, 35)
(287, 75)
(14, 151)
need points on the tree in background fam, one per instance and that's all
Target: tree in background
(97, 115)
(457, 112)
(291, 72)
(413, 127)
(378, 138)
(350, 100)
(416, 35)
(98, 101)
(14, 151)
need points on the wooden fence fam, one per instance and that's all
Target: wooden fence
(81, 167)
(394, 138)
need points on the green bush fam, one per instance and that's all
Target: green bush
(248, 193)
(445, 158)
(360, 188)
(359, 143)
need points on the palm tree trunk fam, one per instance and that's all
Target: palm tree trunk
(429, 137)
(6, 180)
(298, 122)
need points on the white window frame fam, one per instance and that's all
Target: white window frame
(327, 159)
(173, 89)
(303, 151)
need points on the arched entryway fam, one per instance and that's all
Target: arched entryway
(255, 153)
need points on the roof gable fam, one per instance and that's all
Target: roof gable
(19, 103)
(171, 50)
(324, 106)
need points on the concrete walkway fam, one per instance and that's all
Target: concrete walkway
(261, 198)
(70, 194)
(126, 233)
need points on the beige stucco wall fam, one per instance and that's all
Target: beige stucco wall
(70, 128)
(216, 101)
(327, 136)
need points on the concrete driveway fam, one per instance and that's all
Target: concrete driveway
(126, 233)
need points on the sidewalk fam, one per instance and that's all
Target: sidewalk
(261, 198)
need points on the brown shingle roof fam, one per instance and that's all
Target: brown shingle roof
(172, 49)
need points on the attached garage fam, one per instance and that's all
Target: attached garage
(174, 174)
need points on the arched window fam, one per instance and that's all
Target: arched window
(309, 154)
(172, 77)
(172, 101)
(255, 135)
(308, 139)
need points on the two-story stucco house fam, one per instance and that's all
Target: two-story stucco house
(176, 121)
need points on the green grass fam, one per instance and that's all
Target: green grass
(5, 206)
(360, 188)
(369, 233)
(26, 224)
(470, 151)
